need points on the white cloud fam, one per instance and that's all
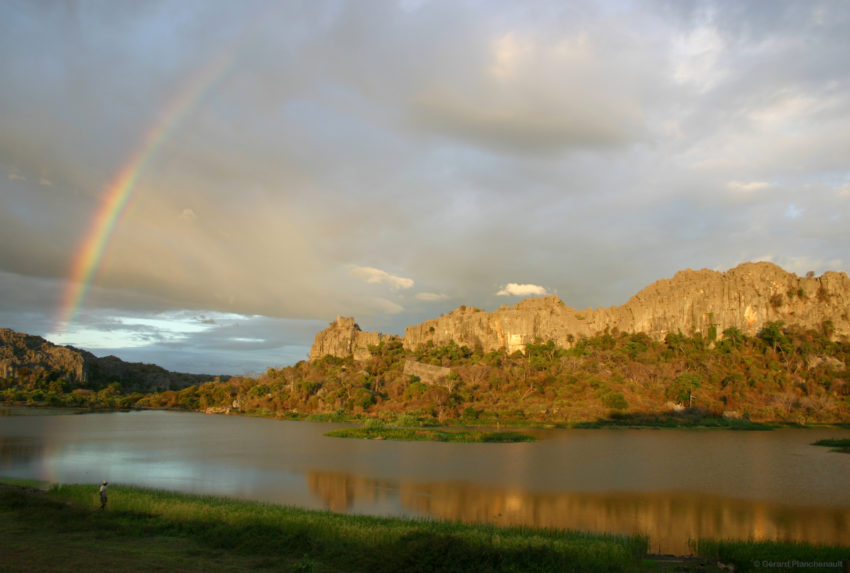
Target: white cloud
(801, 265)
(138, 331)
(431, 296)
(187, 215)
(748, 187)
(696, 58)
(514, 289)
(372, 275)
(384, 306)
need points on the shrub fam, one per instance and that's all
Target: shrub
(615, 401)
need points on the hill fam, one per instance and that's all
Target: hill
(34, 362)
(754, 344)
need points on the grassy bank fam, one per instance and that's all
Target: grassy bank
(62, 529)
(842, 446)
(685, 420)
(144, 530)
(375, 430)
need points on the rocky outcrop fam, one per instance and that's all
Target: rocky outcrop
(427, 373)
(343, 338)
(29, 359)
(690, 302)
(23, 354)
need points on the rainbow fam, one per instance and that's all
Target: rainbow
(119, 191)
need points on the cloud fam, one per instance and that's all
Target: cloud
(697, 58)
(431, 296)
(748, 187)
(535, 94)
(187, 215)
(793, 211)
(372, 275)
(514, 289)
(380, 306)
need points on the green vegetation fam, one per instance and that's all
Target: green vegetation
(774, 556)
(405, 434)
(782, 375)
(842, 446)
(145, 530)
(685, 419)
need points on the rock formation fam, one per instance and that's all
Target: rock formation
(427, 373)
(344, 337)
(691, 302)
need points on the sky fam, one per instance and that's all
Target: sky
(206, 184)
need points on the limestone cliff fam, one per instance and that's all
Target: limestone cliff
(745, 297)
(344, 337)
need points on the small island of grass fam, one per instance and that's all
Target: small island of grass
(379, 431)
(842, 446)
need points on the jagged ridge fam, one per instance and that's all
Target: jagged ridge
(28, 357)
(745, 297)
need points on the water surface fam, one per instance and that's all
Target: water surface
(671, 485)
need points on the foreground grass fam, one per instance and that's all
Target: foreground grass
(145, 530)
(842, 446)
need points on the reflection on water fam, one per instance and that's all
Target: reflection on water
(19, 451)
(670, 519)
(37, 411)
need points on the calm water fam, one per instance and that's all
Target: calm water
(671, 485)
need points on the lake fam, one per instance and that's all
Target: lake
(673, 485)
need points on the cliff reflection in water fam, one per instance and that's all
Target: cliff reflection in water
(19, 450)
(670, 519)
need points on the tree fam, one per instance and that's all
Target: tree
(733, 339)
(773, 336)
(682, 388)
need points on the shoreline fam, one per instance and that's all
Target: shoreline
(653, 422)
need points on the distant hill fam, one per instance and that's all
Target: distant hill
(32, 359)
(702, 302)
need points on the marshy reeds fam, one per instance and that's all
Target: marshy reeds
(377, 430)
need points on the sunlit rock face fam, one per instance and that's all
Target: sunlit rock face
(746, 297)
(343, 338)
(427, 373)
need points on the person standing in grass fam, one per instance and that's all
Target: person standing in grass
(103, 495)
